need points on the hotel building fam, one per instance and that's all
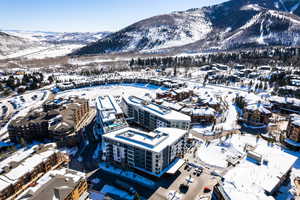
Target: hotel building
(151, 116)
(151, 152)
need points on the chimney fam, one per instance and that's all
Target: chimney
(60, 191)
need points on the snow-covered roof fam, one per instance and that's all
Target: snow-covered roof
(108, 108)
(285, 100)
(154, 141)
(22, 162)
(157, 110)
(45, 186)
(174, 106)
(249, 180)
(258, 107)
(295, 119)
(205, 111)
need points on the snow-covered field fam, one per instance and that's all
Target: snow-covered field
(44, 51)
(54, 51)
(91, 93)
(78, 61)
(41, 44)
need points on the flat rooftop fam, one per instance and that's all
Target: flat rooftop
(108, 108)
(158, 110)
(154, 141)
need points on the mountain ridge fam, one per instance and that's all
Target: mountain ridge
(213, 27)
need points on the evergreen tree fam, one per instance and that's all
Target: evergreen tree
(50, 79)
(22, 142)
(256, 86)
(131, 63)
(250, 83)
(260, 86)
(265, 86)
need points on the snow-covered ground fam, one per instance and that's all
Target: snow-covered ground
(217, 152)
(54, 51)
(24, 52)
(128, 175)
(204, 130)
(91, 93)
(249, 180)
(44, 51)
(231, 115)
(43, 44)
(79, 61)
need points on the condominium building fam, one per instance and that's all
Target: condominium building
(60, 184)
(150, 152)
(257, 114)
(25, 166)
(59, 120)
(175, 94)
(203, 115)
(110, 116)
(151, 116)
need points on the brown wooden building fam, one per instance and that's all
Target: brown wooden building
(293, 129)
(25, 166)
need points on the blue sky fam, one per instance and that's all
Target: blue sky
(86, 15)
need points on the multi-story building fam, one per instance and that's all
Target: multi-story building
(293, 129)
(285, 104)
(177, 95)
(25, 166)
(60, 184)
(150, 152)
(203, 115)
(59, 120)
(151, 116)
(110, 116)
(257, 114)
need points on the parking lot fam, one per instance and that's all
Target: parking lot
(191, 183)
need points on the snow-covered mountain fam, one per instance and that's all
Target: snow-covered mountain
(230, 25)
(162, 31)
(59, 37)
(40, 44)
(10, 44)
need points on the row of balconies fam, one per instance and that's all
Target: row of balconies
(21, 184)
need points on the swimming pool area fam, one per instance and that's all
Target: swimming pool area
(148, 86)
(142, 85)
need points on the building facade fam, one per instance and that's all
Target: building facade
(293, 129)
(151, 116)
(58, 120)
(257, 114)
(203, 115)
(175, 94)
(150, 152)
(110, 116)
(25, 166)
